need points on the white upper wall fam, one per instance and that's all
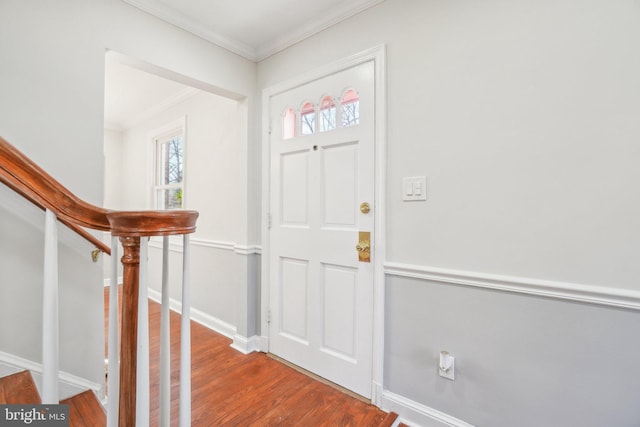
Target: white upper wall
(524, 118)
(51, 107)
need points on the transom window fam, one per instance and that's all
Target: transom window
(169, 174)
(328, 116)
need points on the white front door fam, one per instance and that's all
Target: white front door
(322, 170)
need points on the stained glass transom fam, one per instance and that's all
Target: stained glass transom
(330, 114)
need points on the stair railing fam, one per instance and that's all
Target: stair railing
(128, 374)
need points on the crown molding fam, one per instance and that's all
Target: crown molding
(255, 54)
(337, 15)
(174, 17)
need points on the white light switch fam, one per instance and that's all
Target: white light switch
(408, 188)
(414, 188)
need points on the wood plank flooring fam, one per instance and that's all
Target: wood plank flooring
(19, 388)
(85, 410)
(232, 389)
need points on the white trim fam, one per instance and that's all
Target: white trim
(171, 16)
(338, 14)
(378, 55)
(213, 323)
(176, 246)
(247, 250)
(245, 345)
(598, 295)
(414, 413)
(69, 384)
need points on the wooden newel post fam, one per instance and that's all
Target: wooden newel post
(130, 227)
(129, 331)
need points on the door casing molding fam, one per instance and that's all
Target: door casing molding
(376, 54)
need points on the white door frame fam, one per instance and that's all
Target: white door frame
(377, 55)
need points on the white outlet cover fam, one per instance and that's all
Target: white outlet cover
(449, 373)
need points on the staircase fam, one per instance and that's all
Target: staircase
(84, 409)
(128, 398)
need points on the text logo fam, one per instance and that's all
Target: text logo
(34, 415)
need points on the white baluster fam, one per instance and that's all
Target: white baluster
(142, 379)
(185, 341)
(50, 312)
(165, 341)
(113, 378)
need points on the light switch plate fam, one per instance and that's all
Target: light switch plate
(414, 188)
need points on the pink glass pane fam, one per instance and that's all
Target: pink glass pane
(289, 124)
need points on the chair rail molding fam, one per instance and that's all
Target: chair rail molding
(598, 295)
(240, 249)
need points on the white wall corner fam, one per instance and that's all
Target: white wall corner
(414, 413)
(246, 345)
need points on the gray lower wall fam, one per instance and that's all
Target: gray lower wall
(520, 360)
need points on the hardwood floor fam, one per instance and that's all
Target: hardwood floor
(232, 389)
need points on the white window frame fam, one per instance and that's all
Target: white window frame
(157, 136)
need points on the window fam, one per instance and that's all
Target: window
(169, 173)
(350, 108)
(308, 119)
(327, 114)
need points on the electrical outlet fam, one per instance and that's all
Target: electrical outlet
(447, 366)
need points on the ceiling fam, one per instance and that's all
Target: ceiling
(254, 29)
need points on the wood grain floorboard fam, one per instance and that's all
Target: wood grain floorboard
(232, 389)
(85, 410)
(19, 388)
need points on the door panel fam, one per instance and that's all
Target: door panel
(293, 294)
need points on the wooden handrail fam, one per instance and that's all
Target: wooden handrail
(29, 180)
(26, 178)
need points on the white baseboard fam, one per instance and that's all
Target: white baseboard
(417, 414)
(211, 322)
(245, 345)
(68, 384)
